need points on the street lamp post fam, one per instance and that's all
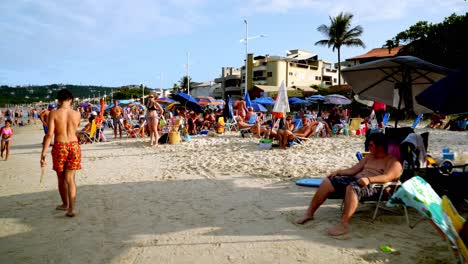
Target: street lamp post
(188, 74)
(246, 40)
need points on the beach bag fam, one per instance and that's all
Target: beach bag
(265, 144)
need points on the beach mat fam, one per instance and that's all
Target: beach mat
(315, 182)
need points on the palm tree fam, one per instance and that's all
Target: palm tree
(338, 34)
(390, 44)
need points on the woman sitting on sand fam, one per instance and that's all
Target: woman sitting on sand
(130, 129)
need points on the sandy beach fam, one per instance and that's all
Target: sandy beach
(212, 200)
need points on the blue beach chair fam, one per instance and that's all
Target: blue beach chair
(417, 121)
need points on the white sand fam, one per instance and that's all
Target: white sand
(213, 200)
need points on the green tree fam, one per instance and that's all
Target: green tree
(184, 82)
(441, 43)
(390, 44)
(340, 33)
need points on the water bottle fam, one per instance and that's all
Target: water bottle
(359, 155)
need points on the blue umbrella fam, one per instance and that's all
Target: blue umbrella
(188, 101)
(258, 107)
(264, 101)
(449, 95)
(316, 98)
(336, 99)
(248, 103)
(228, 109)
(295, 100)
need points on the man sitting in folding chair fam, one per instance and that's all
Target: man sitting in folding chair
(354, 183)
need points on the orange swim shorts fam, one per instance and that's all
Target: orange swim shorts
(66, 156)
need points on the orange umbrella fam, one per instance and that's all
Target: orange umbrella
(207, 100)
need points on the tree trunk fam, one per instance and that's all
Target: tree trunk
(339, 68)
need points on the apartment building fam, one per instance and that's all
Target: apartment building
(299, 70)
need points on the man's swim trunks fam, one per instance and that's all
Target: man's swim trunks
(66, 156)
(341, 182)
(46, 129)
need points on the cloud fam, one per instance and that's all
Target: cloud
(365, 10)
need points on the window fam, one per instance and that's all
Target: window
(269, 74)
(334, 80)
(316, 78)
(290, 73)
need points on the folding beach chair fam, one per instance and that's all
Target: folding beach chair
(417, 121)
(231, 124)
(91, 137)
(419, 194)
(252, 120)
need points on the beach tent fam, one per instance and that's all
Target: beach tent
(449, 95)
(281, 106)
(394, 81)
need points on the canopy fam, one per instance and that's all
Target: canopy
(282, 104)
(394, 81)
(449, 95)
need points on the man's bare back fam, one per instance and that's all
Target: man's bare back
(44, 117)
(63, 123)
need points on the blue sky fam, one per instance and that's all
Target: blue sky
(118, 42)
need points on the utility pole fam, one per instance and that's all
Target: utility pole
(188, 73)
(246, 54)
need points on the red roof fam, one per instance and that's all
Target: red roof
(378, 53)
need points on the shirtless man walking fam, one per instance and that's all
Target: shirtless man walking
(355, 182)
(66, 153)
(116, 113)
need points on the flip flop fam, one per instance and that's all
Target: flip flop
(60, 208)
(70, 214)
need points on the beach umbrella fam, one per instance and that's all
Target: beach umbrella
(228, 112)
(207, 100)
(248, 103)
(394, 81)
(281, 106)
(264, 101)
(84, 104)
(258, 107)
(337, 99)
(172, 105)
(165, 100)
(188, 101)
(295, 100)
(316, 98)
(449, 95)
(363, 101)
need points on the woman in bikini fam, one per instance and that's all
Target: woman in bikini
(154, 112)
(6, 133)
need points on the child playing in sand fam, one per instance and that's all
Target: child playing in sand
(6, 133)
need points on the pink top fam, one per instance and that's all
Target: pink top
(6, 131)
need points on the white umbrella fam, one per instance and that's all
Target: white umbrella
(282, 104)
